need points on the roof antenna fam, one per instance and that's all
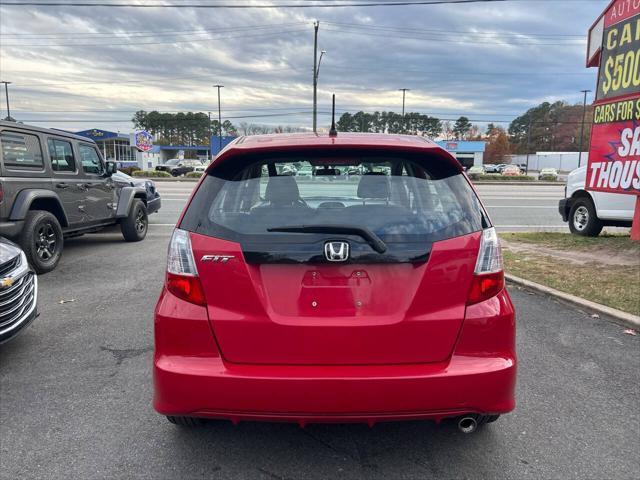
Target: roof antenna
(333, 132)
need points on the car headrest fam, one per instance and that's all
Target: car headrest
(373, 185)
(282, 190)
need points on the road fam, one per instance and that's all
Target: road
(75, 396)
(512, 207)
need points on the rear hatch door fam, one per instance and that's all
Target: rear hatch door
(276, 297)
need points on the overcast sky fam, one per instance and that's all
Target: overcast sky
(96, 66)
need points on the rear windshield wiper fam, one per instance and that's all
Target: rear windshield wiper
(372, 239)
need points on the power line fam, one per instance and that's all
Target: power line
(439, 39)
(164, 33)
(285, 114)
(207, 76)
(149, 33)
(401, 70)
(161, 110)
(263, 6)
(465, 32)
(204, 76)
(170, 42)
(237, 117)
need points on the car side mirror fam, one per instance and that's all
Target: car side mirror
(111, 168)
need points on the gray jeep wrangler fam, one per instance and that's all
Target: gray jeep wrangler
(54, 185)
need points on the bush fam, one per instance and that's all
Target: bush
(502, 178)
(128, 170)
(150, 173)
(193, 175)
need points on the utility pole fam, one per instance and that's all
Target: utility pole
(219, 118)
(6, 93)
(316, 72)
(209, 130)
(584, 113)
(404, 93)
(528, 144)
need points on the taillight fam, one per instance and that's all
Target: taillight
(182, 275)
(488, 276)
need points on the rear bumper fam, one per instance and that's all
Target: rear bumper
(153, 205)
(206, 387)
(192, 379)
(11, 229)
(564, 207)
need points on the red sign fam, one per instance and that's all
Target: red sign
(621, 10)
(614, 159)
(614, 156)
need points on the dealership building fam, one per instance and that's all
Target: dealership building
(126, 151)
(468, 153)
(123, 149)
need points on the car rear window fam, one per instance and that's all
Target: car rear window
(400, 199)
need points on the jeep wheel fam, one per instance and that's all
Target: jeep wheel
(583, 219)
(175, 173)
(134, 227)
(42, 240)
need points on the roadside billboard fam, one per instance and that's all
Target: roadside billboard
(614, 155)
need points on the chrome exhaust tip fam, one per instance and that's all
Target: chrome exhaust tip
(467, 424)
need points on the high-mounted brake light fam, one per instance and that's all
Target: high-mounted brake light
(488, 276)
(182, 275)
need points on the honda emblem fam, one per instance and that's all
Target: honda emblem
(336, 251)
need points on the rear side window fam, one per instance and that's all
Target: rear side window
(410, 200)
(90, 160)
(61, 154)
(21, 150)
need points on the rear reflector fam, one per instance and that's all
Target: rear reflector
(187, 288)
(485, 286)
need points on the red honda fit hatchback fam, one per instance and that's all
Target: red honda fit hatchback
(338, 278)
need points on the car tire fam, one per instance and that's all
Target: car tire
(175, 173)
(42, 240)
(185, 421)
(134, 227)
(583, 219)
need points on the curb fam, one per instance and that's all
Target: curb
(628, 319)
(171, 179)
(507, 182)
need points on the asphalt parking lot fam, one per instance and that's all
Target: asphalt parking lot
(75, 396)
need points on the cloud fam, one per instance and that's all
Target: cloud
(98, 65)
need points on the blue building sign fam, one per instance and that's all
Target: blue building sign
(462, 146)
(96, 134)
(215, 143)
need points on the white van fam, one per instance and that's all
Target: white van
(588, 212)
